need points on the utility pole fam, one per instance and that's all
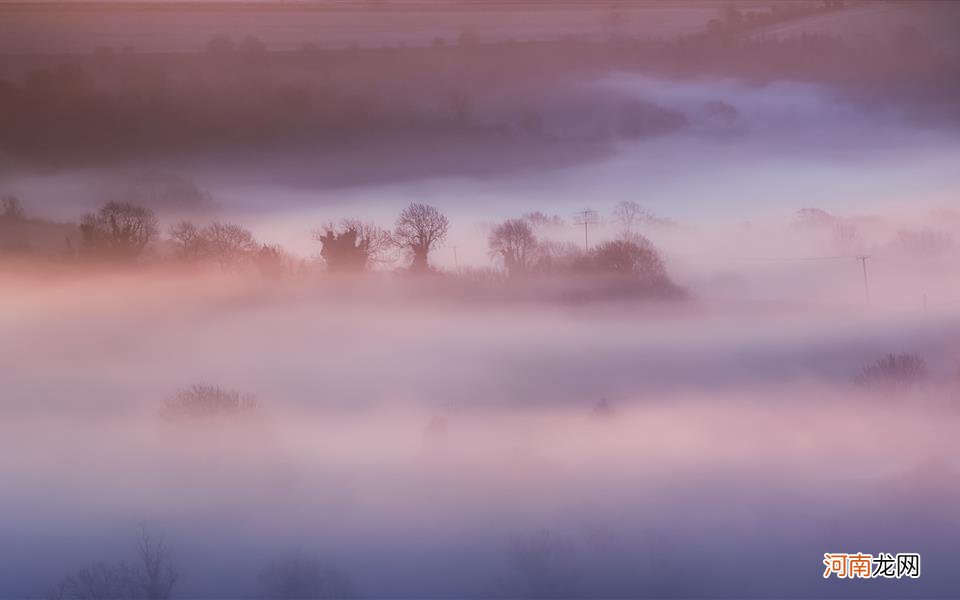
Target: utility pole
(456, 262)
(586, 218)
(866, 284)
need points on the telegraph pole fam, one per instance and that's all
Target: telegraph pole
(866, 283)
(586, 218)
(456, 262)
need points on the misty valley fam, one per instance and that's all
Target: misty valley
(470, 298)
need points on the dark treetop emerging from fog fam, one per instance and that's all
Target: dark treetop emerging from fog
(419, 228)
(352, 246)
(118, 230)
(514, 242)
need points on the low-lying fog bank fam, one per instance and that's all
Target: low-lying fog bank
(691, 495)
(406, 446)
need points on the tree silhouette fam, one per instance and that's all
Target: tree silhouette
(119, 230)
(352, 246)
(151, 577)
(514, 242)
(894, 370)
(630, 215)
(418, 229)
(188, 240)
(272, 261)
(540, 567)
(632, 256)
(205, 401)
(221, 44)
(155, 573)
(11, 208)
(299, 576)
(229, 244)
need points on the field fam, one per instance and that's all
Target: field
(81, 29)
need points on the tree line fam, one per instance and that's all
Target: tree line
(111, 105)
(120, 233)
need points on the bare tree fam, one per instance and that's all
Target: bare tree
(894, 370)
(514, 242)
(155, 573)
(151, 577)
(221, 44)
(229, 244)
(418, 229)
(98, 581)
(631, 216)
(924, 242)
(846, 236)
(540, 219)
(204, 401)
(11, 208)
(118, 230)
(634, 255)
(188, 240)
(541, 567)
(253, 46)
(273, 261)
(813, 218)
(556, 257)
(603, 409)
(353, 246)
(460, 107)
(298, 576)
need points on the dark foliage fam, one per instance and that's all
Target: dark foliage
(151, 577)
(894, 370)
(353, 246)
(300, 577)
(418, 230)
(118, 231)
(207, 401)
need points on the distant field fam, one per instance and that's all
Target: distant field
(938, 21)
(78, 28)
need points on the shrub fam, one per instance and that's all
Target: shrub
(635, 256)
(353, 245)
(514, 242)
(298, 576)
(925, 242)
(11, 208)
(894, 369)
(540, 567)
(151, 577)
(119, 230)
(206, 401)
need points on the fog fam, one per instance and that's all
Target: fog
(415, 445)
(226, 388)
(735, 431)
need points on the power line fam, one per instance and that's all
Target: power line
(586, 218)
(456, 260)
(860, 257)
(866, 283)
(791, 258)
(766, 258)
